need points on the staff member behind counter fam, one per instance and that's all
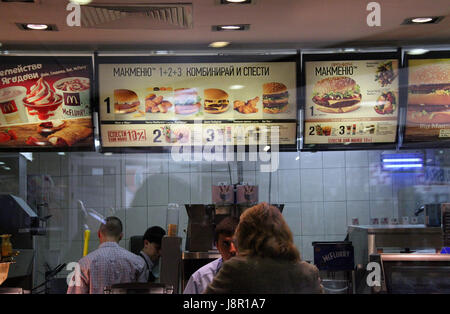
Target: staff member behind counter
(151, 252)
(109, 264)
(223, 239)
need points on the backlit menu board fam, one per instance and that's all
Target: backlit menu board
(45, 103)
(428, 100)
(160, 102)
(350, 100)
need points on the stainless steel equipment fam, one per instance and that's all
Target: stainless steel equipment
(374, 239)
(19, 220)
(200, 232)
(171, 262)
(371, 240)
(433, 213)
(416, 273)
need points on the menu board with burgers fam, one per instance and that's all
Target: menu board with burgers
(45, 103)
(162, 102)
(428, 105)
(351, 100)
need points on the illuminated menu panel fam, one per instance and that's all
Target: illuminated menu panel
(45, 103)
(350, 100)
(163, 102)
(428, 104)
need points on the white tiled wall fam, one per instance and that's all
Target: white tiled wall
(321, 191)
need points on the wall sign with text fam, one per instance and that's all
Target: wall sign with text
(428, 104)
(161, 102)
(45, 103)
(350, 100)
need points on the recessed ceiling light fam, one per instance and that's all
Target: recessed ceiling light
(423, 20)
(39, 27)
(230, 27)
(234, 27)
(235, 1)
(219, 44)
(81, 2)
(237, 86)
(418, 51)
(36, 27)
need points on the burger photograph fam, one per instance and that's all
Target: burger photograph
(429, 93)
(125, 101)
(275, 98)
(216, 100)
(338, 94)
(186, 101)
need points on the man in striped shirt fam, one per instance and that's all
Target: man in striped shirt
(109, 264)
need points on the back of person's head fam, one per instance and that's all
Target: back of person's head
(111, 228)
(262, 231)
(154, 235)
(227, 226)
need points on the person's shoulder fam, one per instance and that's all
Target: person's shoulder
(308, 268)
(130, 255)
(210, 268)
(241, 263)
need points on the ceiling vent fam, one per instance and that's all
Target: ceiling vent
(137, 16)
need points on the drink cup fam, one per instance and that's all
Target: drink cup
(12, 109)
(76, 96)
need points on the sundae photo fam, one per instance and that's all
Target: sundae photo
(41, 100)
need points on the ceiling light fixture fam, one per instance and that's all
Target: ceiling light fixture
(237, 86)
(235, 1)
(219, 44)
(39, 27)
(36, 27)
(231, 27)
(81, 2)
(423, 20)
(418, 51)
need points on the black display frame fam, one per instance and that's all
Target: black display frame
(347, 56)
(432, 54)
(86, 59)
(207, 59)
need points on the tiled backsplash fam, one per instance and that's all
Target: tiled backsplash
(321, 191)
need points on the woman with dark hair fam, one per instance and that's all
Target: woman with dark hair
(267, 260)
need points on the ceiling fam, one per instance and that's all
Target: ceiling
(274, 24)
